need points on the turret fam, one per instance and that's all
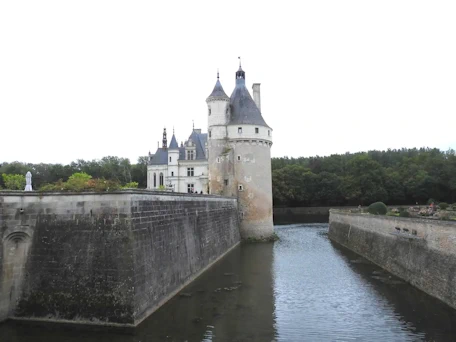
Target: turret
(173, 157)
(218, 104)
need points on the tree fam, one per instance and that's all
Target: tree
(14, 182)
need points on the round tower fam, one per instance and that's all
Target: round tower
(219, 114)
(250, 141)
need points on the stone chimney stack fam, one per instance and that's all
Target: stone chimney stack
(256, 95)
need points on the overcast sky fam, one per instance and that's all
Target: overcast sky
(87, 79)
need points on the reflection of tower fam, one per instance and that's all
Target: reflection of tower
(240, 155)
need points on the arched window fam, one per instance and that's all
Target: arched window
(155, 180)
(170, 159)
(161, 179)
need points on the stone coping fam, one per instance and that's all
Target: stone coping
(117, 192)
(385, 217)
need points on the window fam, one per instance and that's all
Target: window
(227, 110)
(257, 130)
(269, 133)
(239, 130)
(190, 171)
(190, 155)
(190, 188)
(209, 111)
(172, 173)
(240, 187)
(239, 158)
(155, 180)
(226, 182)
(161, 179)
(218, 159)
(210, 134)
(170, 159)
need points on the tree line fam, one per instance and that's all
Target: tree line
(405, 176)
(110, 168)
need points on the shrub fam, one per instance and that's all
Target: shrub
(443, 205)
(14, 182)
(404, 213)
(78, 181)
(131, 185)
(430, 200)
(377, 208)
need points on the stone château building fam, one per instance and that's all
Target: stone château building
(180, 168)
(232, 159)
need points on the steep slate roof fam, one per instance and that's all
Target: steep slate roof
(200, 140)
(218, 90)
(160, 157)
(243, 109)
(173, 144)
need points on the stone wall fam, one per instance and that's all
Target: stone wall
(420, 251)
(109, 258)
(289, 215)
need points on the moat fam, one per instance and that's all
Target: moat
(301, 288)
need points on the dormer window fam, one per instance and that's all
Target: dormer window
(190, 155)
(240, 130)
(257, 130)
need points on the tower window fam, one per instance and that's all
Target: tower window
(240, 187)
(257, 130)
(226, 182)
(218, 159)
(269, 133)
(239, 158)
(210, 134)
(172, 173)
(170, 159)
(209, 111)
(190, 171)
(239, 130)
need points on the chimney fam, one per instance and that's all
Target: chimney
(256, 95)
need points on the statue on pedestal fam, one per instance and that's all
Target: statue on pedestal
(28, 182)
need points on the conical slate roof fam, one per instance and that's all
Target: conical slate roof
(218, 90)
(173, 144)
(243, 109)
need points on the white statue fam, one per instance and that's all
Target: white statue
(28, 182)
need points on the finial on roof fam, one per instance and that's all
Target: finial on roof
(239, 62)
(218, 73)
(193, 121)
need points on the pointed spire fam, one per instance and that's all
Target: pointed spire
(165, 140)
(240, 75)
(218, 91)
(173, 144)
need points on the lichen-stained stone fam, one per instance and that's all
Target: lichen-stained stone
(110, 258)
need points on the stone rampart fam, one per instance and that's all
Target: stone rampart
(420, 251)
(106, 258)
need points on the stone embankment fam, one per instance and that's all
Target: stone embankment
(106, 258)
(420, 251)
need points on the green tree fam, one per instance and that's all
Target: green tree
(14, 182)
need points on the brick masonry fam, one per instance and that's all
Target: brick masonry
(109, 258)
(420, 251)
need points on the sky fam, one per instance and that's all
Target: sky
(88, 79)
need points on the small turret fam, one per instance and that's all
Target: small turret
(218, 104)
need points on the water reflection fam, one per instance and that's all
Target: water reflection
(302, 288)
